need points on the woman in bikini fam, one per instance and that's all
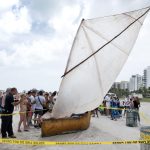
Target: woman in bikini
(23, 109)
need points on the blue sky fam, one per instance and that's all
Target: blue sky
(36, 37)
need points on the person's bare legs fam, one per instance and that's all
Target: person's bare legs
(35, 119)
(29, 119)
(20, 122)
(25, 123)
(38, 122)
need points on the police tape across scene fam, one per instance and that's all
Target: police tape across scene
(45, 143)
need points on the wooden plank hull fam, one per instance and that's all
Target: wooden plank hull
(65, 125)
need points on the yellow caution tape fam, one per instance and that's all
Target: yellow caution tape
(20, 112)
(46, 109)
(115, 108)
(142, 114)
(133, 110)
(45, 143)
(9, 114)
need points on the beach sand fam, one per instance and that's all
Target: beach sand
(101, 129)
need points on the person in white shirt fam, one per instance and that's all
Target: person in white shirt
(128, 104)
(32, 98)
(31, 104)
(39, 104)
(107, 99)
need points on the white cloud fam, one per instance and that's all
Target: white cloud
(3, 57)
(7, 4)
(23, 48)
(97, 8)
(10, 24)
(40, 49)
(65, 19)
(38, 52)
(43, 10)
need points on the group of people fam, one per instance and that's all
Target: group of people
(115, 108)
(32, 105)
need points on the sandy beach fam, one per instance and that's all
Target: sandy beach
(101, 129)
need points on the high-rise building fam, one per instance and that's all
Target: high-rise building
(135, 82)
(124, 85)
(132, 83)
(116, 85)
(146, 77)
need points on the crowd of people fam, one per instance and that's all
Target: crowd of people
(115, 108)
(32, 105)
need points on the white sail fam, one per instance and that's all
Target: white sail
(88, 76)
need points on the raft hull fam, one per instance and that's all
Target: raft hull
(65, 125)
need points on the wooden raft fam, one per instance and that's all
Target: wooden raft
(65, 125)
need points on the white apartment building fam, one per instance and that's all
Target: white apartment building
(124, 85)
(116, 85)
(146, 77)
(135, 82)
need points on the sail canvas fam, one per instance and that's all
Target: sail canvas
(99, 51)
